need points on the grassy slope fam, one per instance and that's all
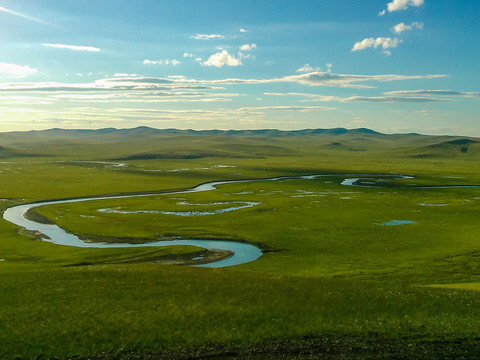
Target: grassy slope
(338, 272)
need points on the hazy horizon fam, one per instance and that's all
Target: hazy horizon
(393, 66)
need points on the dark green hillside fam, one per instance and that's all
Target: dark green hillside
(462, 147)
(7, 152)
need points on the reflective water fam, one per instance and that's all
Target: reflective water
(398, 222)
(243, 252)
(244, 205)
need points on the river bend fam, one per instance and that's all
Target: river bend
(243, 252)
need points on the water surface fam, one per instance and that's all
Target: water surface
(243, 252)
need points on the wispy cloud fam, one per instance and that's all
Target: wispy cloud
(27, 17)
(397, 5)
(285, 108)
(399, 28)
(73, 47)
(433, 92)
(14, 70)
(347, 80)
(374, 99)
(24, 100)
(392, 99)
(208, 36)
(433, 113)
(161, 62)
(128, 117)
(383, 42)
(142, 84)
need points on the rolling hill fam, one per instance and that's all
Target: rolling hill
(144, 143)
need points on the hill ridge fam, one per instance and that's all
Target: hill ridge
(175, 131)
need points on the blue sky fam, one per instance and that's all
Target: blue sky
(389, 65)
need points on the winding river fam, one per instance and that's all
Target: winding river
(243, 252)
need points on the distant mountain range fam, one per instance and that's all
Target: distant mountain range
(106, 133)
(150, 143)
(145, 130)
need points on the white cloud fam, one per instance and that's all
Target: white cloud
(14, 70)
(243, 30)
(152, 62)
(248, 47)
(124, 75)
(375, 99)
(73, 47)
(161, 62)
(384, 43)
(24, 16)
(139, 84)
(208, 36)
(193, 56)
(391, 99)
(172, 62)
(397, 5)
(433, 113)
(222, 58)
(288, 108)
(399, 28)
(307, 68)
(433, 92)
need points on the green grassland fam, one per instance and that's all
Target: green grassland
(331, 269)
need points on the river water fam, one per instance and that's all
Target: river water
(243, 252)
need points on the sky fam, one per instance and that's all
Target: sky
(394, 66)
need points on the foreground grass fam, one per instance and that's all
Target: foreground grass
(96, 309)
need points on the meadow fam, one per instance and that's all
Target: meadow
(334, 278)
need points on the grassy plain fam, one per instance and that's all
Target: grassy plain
(331, 269)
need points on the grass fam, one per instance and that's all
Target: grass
(96, 309)
(330, 269)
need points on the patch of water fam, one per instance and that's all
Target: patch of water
(106, 163)
(423, 204)
(184, 213)
(349, 182)
(397, 222)
(217, 166)
(307, 195)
